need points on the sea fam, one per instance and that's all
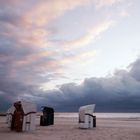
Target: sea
(101, 115)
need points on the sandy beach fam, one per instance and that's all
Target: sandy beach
(66, 128)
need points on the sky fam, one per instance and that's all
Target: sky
(69, 53)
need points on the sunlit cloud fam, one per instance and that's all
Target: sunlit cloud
(90, 36)
(40, 16)
(78, 58)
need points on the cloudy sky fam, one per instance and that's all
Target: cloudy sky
(68, 53)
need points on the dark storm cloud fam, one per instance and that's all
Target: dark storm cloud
(135, 70)
(118, 93)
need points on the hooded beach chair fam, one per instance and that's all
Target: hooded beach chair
(21, 116)
(48, 116)
(86, 118)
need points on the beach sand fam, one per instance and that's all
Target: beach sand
(65, 128)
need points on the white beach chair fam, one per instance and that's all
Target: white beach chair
(86, 118)
(27, 117)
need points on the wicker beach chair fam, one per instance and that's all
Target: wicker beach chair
(86, 118)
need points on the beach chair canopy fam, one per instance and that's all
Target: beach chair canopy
(47, 109)
(28, 107)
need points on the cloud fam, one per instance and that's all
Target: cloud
(90, 37)
(40, 16)
(135, 69)
(104, 3)
(78, 57)
(57, 8)
(28, 59)
(117, 93)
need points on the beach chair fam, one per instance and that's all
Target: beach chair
(86, 118)
(48, 116)
(21, 116)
